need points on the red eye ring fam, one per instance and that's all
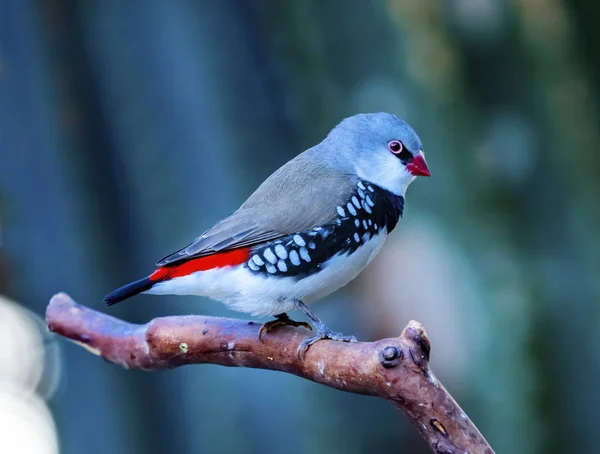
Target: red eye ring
(395, 146)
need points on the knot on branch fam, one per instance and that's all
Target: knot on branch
(390, 356)
(419, 346)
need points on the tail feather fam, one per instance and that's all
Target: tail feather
(128, 291)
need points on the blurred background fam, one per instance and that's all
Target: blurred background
(127, 129)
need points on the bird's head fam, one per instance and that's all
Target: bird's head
(379, 148)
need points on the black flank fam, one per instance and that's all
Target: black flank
(299, 255)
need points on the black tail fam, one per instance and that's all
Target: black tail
(128, 291)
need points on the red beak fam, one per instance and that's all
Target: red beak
(418, 166)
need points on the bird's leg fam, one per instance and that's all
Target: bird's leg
(280, 320)
(322, 331)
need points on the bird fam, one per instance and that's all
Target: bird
(309, 229)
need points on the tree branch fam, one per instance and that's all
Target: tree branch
(396, 369)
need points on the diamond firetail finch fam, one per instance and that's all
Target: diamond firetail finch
(308, 230)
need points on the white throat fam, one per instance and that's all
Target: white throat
(391, 176)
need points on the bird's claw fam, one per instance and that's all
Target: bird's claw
(322, 333)
(280, 320)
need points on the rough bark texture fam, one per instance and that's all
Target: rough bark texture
(396, 369)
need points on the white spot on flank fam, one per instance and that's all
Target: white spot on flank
(361, 185)
(282, 266)
(268, 253)
(256, 259)
(299, 240)
(253, 266)
(341, 211)
(361, 193)
(281, 252)
(356, 238)
(304, 254)
(370, 222)
(355, 202)
(294, 258)
(375, 226)
(312, 245)
(356, 222)
(365, 224)
(351, 209)
(367, 208)
(271, 269)
(369, 201)
(370, 188)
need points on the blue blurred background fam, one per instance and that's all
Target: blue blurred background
(128, 128)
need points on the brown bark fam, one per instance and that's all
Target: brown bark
(396, 369)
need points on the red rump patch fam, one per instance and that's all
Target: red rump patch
(217, 260)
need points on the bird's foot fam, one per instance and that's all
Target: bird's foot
(322, 333)
(280, 320)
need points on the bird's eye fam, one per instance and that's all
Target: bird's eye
(400, 150)
(395, 146)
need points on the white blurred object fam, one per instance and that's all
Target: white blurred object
(26, 424)
(22, 349)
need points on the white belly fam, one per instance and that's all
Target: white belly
(244, 291)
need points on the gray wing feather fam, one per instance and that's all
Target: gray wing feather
(302, 194)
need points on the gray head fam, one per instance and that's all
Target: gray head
(379, 148)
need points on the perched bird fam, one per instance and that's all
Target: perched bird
(308, 230)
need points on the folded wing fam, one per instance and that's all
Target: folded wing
(299, 196)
